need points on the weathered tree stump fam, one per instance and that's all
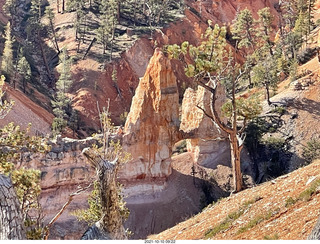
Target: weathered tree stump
(315, 233)
(110, 226)
(11, 221)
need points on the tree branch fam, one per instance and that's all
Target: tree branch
(47, 232)
(216, 120)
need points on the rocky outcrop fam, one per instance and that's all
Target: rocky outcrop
(63, 170)
(152, 125)
(207, 143)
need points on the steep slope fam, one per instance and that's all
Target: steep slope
(284, 208)
(26, 111)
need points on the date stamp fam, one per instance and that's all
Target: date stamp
(160, 241)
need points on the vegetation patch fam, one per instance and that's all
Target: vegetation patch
(271, 237)
(308, 193)
(227, 222)
(305, 195)
(257, 220)
(274, 143)
(279, 110)
(290, 201)
(312, 150)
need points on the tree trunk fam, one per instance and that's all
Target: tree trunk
(110, 226)
(58, 6)
(315, 233)
(250, 79)
(11, 221)
(268, 94)
(309, 18)
(54, 36)
(24, 85)
(44, 58)
(89, 47)
(63, 4)
(235, 162)
(134, 12)
(119, 11)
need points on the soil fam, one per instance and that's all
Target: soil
(288, 222)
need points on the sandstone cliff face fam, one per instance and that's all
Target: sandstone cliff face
(152, 125)
(63, 170)
(207, 143)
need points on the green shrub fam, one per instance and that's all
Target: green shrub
(279, 110)
(273, 237)
(311, 151)
(306, 194)
(290, 201)
(274, 143)
(226, 223)
(257, 220)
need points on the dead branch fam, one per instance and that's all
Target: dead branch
(71, 196)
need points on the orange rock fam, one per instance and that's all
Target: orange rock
(152, 125)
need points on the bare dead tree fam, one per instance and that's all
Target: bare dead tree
(110, 226)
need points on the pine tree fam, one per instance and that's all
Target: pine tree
(36, 9)
(24, 70)
(62, 104)
(266, 74)
(50, 15)
(265, 29)
(301, 27)
(243, 30)
(211, 67)
(7, 57)
(102, 34)
(110, 11)
(65, 79)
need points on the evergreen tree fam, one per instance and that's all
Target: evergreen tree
(301, 27)
(25, 71)
(62, 104)
(243, 30)
(265, 29)
(50, 15)
(266, 74)
(102, 34)
(211, 67)
(36, 9)
(65, 79)
(7, 57)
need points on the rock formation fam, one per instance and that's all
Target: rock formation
(63, 170)
(207, 143)
(152, 125)
(11, 221)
